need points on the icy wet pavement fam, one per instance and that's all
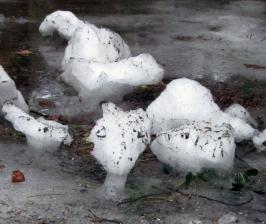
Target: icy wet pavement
(209, 40)
(65, 193)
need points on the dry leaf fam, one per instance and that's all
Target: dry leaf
(2, 167)
(17, 176)
(184, 38)
(255, 66)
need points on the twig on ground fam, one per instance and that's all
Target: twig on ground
(43, 195)
(242, 160)
(215, 200)
(38, 113)
(258, 210)
(96, 219)
(133, 200)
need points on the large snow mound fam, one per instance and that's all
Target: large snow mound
(185, 100)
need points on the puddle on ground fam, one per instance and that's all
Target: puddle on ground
(220, 43)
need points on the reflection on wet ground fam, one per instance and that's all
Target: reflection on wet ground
(221, 43)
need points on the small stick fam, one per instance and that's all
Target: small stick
(186, 195)
(132, 200)
(97, 219)
(43, 195)
(215, 200)
(38, 113)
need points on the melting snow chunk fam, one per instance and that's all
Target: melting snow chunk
(186, 100)
(259, 141)
(190, 148)
(97, 82)
(86, 41)
(98, 63)
(64, 22)
(183, 99)
(96, 45)
(236, 110)
(9, 92)
(135, 71)
(119, 138)
(40, 133)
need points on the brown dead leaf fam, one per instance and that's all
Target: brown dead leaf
(84, 151)
(215, 28)
(259, 67)
(2, 167)
(184, 38)
(17, 176)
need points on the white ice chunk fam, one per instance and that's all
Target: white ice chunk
(119, 138)
(9, 92)
(40, 133)
(8, 89)
(63, 22)
(98, 64)
(86, 41)
(259, 141)
(20, 102)
(96, 82)
(236, 110)
(187, 100)
(190, 148)
(96, 45)
(242, 130)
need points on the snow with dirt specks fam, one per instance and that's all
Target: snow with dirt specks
(185, 100)
(119, 138)
(199, 145)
